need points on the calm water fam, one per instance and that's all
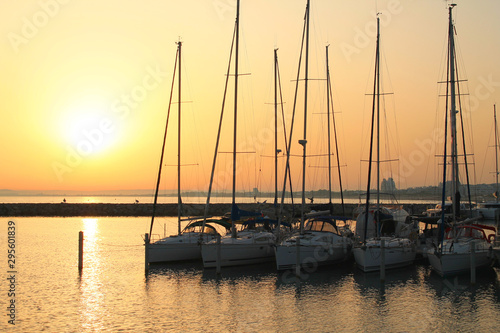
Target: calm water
(150, 199)
(113, 293)
(130, 199)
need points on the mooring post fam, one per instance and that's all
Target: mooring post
(472, 262)
(80, 251)
(146, 251)
(382, 260)
(297, 257)
(218, 254)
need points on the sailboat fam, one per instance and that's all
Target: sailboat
(321, 240)
(253, 242)
(185, 245)
(490, 210)
(496, 205)
(462, 242)
(398, 251)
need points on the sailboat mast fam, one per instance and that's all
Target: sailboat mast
(374, 109)
(330, 104)
(330, 208)
(453, 121)
(163, 146)
(276, 131)
(496, 151)
(237, 32)
(329, 92)
(179, 200)
(377, 69)
(217, 141)
(304, 141)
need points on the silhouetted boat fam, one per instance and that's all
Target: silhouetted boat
(186, 244)
(254, 241)
(463, 243)
(383, 221)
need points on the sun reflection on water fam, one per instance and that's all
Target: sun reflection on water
(90, 200)
(90, 228)
(91, 294)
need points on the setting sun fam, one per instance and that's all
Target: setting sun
(88, 129)
(86, 88)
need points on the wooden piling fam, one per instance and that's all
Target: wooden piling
(297, 259)
(80, 251)
(472, 262)
(146, 252)
(218, 255)
(382, 260)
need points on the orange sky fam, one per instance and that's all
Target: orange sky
(85, 88)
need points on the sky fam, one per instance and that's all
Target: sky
(85, 89)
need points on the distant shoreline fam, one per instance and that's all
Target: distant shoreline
(138, 209)
(481, 193)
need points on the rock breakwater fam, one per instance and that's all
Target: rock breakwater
(109, 209)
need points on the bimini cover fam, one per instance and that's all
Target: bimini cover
(199, 223)
(371, 226)
(237, 214)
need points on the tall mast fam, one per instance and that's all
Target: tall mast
(158, 179)
(303, 142)
(330, 208)
(374, 111)
(330, 103)
(237, 32)
(276, 132)
(377, 69)
(288, 142)
(179, 200)
(496, 152)
(453, 121)
(219, 130)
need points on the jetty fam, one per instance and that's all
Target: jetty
(170, 209)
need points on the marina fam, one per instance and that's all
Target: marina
(246, 219)
(112, 292)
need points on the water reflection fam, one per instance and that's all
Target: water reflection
(113, 294)
(91, 295)
(411, 299)
(90, 228)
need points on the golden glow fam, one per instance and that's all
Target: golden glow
(91, 275)
(86, 85)
(90, 230)
(88, 129)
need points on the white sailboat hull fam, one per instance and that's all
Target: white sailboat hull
(458, 260)
(248, 248)
(313, 253)
(185, 247)
(398, 252)
(170, 253)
